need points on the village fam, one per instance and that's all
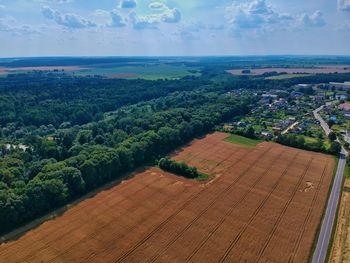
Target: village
(290, 111)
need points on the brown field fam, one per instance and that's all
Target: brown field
(341, 245)
(263, 205)
(122, 75)
(11, 70)
(316, 70)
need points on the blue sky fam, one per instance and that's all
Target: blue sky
(173, 27)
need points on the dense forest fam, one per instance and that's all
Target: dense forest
(64, 135)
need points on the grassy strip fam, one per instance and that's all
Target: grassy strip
(347, 171)
(202, 177)
(244, 141)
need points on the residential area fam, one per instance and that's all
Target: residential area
(286, 116)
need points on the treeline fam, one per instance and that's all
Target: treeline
(299, 142)
(175, 167)
(35, 182)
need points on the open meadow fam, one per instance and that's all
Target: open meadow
(264, 204)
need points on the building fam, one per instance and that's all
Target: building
(318, 97)
(304, 86)
(340, 97)
(344, 107)
(276, 129)
(297, 94)
(266, 134)
(338, 85)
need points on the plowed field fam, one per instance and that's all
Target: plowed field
(263, 205)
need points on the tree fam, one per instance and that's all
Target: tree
(250, 133)
(178, 168)
(330, 123)
(335, 148)
(332, 136)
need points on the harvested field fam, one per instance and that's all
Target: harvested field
(263, 205)
(341, 245)
(49, 68)
(315, 70)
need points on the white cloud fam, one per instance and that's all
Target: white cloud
(9, 24)
(54, 1)
(171, 16)
(258, 16)
(101, 16)
(69, 20)
(314, 20)
(128, 4)
(144, 22)
(151, 21)
(157, 6)
(344, 5)
(117, 19)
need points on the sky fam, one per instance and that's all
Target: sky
(174, 27)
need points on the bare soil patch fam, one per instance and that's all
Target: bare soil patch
(252, 211)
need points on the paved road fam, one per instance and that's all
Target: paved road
(323, 124)
(290, 128)
(324, 238)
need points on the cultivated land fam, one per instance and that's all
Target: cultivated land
(142, 71)
(263, 205)
(315, 70)
(341, 245)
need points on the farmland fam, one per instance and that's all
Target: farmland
(290, 70)
(147, 71)
(263, 205)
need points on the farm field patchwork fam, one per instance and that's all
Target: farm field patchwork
(142, 71)
(312, 70)
(263, 205)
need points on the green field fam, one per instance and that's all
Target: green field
(145, 71)
(236, 139)
(310, 140)
(288, 76)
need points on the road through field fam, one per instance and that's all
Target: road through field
(263, 204)
(328, 222)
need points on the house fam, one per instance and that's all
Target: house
(344, 107)
(297, 94)
(333, 118)
(276, 129)
(340, 97)
(304, 86)
(269, 96)
(266, 134)
(241, 124)
(319, 97)
(337, 85)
